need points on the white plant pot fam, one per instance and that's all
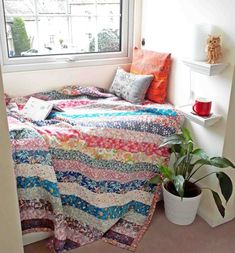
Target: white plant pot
(180, 211)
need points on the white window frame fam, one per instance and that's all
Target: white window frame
(71, 60)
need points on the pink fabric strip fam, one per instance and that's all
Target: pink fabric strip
(100, 174)
(29, 144)
(67, 135)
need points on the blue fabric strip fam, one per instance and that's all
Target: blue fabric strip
(133, 125)
(104, 186)
(91, 185)
(24, 133)
(43, 158)
(112, 212)
(30, 182)
(32, 156)
(147, 111)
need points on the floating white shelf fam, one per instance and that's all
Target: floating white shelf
(205, 68)
(203, 121)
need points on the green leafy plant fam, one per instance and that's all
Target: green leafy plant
(188, 161)
(108, 41)
(20, 38)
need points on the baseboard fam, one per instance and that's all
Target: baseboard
(206, 216)
(35, 237)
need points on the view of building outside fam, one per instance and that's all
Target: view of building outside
(44, 27)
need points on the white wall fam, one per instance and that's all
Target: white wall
(9, 211)
(229, 144)
(166, 28)
(23, 83)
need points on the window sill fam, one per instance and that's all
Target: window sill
(64, 64)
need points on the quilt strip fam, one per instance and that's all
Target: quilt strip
(83, 173)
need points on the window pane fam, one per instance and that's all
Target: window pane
(82, 30)
(53, 35)
(95, 34)
(51, 6)
(19, 7)
(108, 35)
(21, 35)
(81, 8)
(99, 7)
(108, 8)
(84, 26)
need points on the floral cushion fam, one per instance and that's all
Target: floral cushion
(130, 87)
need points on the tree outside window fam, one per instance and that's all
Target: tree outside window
(20, 38)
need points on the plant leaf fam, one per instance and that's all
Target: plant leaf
(156, 180)
(176, 148)
(190, 146)
(200, 153)
(221, 162)
(202, 161)
(179, 184)
(172, 140)
(218, 203)
(167, 172)
(186, 134)
(179, 161)
(190, 168)
(226, 185)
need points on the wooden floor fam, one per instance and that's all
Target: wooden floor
(165, 237)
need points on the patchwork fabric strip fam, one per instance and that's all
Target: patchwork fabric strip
(83, 173)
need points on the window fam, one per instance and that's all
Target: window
(42, 31)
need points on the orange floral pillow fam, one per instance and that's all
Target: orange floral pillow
(152, 63)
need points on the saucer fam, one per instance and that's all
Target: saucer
(194, 113)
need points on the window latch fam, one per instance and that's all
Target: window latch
(71, 59)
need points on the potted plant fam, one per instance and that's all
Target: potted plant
(180, 192)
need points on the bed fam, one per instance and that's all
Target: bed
(82, 174)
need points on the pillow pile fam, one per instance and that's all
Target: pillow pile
(158, 64)
(130, 87)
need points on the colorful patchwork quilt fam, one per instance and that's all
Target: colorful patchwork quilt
(83, 173)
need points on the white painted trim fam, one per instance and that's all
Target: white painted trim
(10, 230)
(65, 64)
(203, 121)
(205, 68)
(76, 60)
(138, 23)
(35, 237)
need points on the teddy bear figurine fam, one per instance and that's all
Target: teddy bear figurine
(213, 49)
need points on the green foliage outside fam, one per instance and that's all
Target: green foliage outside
(108, 41)
(20, 38)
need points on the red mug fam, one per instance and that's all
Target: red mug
(202, 107)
